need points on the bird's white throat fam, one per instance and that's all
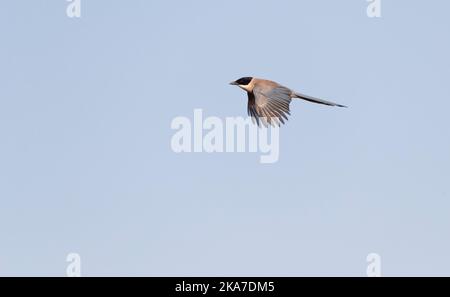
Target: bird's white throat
(247, 88)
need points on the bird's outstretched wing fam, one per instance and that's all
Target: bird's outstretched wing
(269, 105)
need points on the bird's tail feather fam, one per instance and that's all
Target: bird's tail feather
(316, 100)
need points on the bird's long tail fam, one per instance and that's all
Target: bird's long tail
(316, 100)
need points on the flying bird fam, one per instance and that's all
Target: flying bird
(269, 101)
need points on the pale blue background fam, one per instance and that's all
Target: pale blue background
(86, 164)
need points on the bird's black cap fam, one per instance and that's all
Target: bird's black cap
(242, 81)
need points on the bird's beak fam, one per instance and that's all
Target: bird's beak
(233, 83)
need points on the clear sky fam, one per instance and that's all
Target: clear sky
(86, 164)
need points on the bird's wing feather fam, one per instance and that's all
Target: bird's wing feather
(251, 110)
(271, 104)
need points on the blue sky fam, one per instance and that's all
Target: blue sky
(86, 164)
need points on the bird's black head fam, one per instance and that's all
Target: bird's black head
(244, 81)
